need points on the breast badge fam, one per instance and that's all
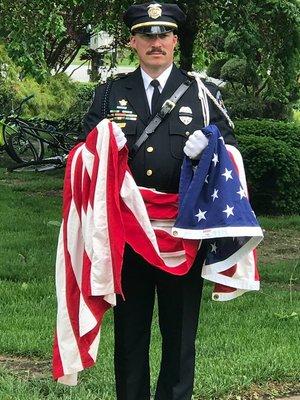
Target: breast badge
(123, 103)
(185, 115)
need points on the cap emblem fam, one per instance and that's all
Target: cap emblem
(154, 11)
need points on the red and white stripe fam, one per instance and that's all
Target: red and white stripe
(102, 210)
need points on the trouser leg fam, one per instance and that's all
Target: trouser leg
(179, 304)
(132, 319)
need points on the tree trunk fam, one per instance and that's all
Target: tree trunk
(186, 43)
(187, 36)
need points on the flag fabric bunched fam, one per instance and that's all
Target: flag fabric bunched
(104, 209)
(214, 207)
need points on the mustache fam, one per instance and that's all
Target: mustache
(156, 50)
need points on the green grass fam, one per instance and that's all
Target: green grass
(249, 341)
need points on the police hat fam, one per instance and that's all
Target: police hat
(153, 18)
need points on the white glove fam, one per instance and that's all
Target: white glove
(195, 144)
(119, 136)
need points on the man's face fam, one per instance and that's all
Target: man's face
(154, 51)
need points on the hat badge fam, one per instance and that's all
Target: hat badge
(154, 11)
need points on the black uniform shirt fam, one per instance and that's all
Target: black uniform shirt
(158, 162)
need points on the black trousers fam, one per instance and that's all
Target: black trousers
(178, 307)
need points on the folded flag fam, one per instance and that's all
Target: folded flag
(214, 207)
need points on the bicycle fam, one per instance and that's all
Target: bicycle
(35, 145)
(16, 139)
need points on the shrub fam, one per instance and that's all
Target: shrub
(9, 74)
(249, 104)
(241, 105)
(288, 132)
(52, 97)
(273, 174)
(73, 117)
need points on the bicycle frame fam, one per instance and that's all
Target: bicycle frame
(57, 137)
(26, 141)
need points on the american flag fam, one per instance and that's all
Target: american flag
(214, 207)
(102, 210)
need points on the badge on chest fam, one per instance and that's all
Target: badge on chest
(185, 115)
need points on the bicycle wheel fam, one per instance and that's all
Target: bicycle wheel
(38, 166)
(22, 146)
(70, 139)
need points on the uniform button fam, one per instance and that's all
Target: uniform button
(149, 172)
(187, 133)
(150, 149)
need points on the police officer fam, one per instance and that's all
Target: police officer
(132, 103)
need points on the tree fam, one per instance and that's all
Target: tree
(255, 47)
(42, 36)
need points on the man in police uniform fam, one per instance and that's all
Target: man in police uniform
(132, 102)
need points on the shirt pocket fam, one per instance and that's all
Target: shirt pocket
(178, 135)
(130, 130)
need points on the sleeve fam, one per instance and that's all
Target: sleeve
(94, 115)
(218, 118)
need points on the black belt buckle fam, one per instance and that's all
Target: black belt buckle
(166, 108)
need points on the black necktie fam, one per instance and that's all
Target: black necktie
(155, 95)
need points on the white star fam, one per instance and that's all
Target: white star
(227, 174)
(215, 159)
(213, 247)
(215, 194)
(201, 215)
(228, 210)
(222, 139)
(206, 179)
(241, 192)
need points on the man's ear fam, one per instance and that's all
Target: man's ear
(132, 41)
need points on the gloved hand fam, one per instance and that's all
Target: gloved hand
(195, 144)
(119, 136)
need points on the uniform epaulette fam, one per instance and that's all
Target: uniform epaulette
(196, 73)
(205, 89)
(207, 80)
(116, 77)
(121, 75)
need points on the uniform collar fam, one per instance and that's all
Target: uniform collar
(162, 78)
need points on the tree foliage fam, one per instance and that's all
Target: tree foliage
(254, 45)
(52, 97)
(43, 35)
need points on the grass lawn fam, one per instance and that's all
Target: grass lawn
(246, 347)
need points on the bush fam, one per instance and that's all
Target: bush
(51, 98)
(273, 170)
(54, 96)
(288, 132)
(73, 117)
(9, 74)
(248, 104)
(241, 105)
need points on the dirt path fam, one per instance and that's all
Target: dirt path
(26, 367)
